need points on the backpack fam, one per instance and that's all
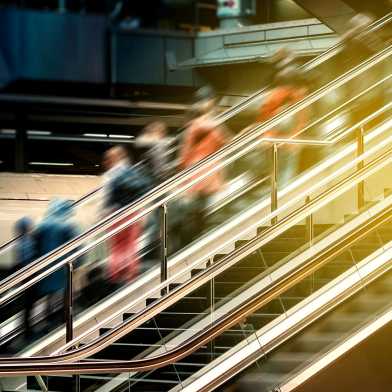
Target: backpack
(128, 186)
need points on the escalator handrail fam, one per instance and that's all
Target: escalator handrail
(275, 341)
(146, 204)
(249, 100)
(37, 365)
(320, 185)
(295, 216)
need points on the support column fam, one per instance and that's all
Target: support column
(20, 150)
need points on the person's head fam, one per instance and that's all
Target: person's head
(156, 130)
(205, 100)
(23, 226)
(114, 155)
(282, 58)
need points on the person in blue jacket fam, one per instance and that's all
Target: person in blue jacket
(55, 230)
(25, 253)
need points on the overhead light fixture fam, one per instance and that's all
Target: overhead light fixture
(8, 131)
(51, 164)
(95, 135)
(39, 133)
(121, 136)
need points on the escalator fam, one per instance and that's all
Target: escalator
(194, 312)
(376, 217)
(229, 214)
(378, 133)
(359, 307)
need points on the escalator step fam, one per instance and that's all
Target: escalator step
(122, 351)
(175, 320)
(145, 334)
(196, 271)
(219, 256)
(126, 316)
(173, 286)
(150, 301)
(239, 274)
(277, 244)
(189, 304)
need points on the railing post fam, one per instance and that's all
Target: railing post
(274, 182)
(163, 232)
(309, 226)
(41, 383)
(69, 303)
(360, 165)
(76, 383)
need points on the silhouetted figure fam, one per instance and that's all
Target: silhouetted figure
(157, 155)
(55, 230)
(25, 253)
(289, 88)
(123, 184)
(202, 138)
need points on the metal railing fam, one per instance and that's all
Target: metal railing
(37, 366)
(225, 156)
(366, 273)
(309, 230)
(220, 266)
(246, 102)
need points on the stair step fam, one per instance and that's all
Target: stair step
(219, 256)
(277, 245)
(150, 301)
(173, 286)
(196, 271)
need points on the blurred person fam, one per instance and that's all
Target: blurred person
(202, 137)
(359, 45)
(26, 253)
(123, 183)
(157, 164)
(289, 88)
(281, 59)
(157, 157)
(55, 229)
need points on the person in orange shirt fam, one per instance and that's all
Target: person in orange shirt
(203, 137)
(289, 89)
